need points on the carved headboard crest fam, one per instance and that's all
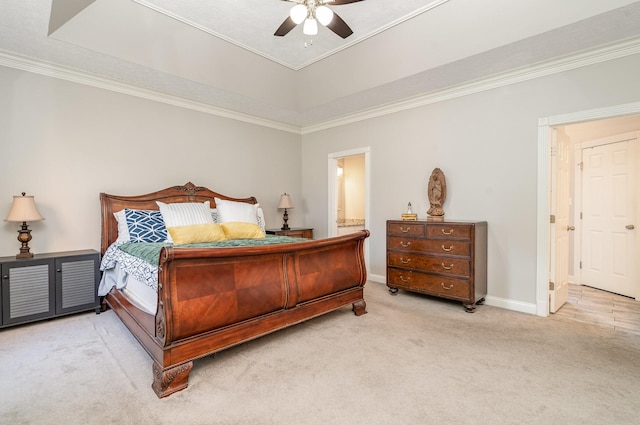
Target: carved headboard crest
(190, 188)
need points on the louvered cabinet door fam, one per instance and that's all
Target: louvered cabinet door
(27, 291)
(76, 283)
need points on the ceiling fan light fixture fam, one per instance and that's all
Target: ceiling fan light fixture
(310, 27)
(324, 15)
(298, 13)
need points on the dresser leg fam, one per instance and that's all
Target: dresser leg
(469, 308)
(393, 291)
(480, 301)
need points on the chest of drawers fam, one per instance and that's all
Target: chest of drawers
(441, 258)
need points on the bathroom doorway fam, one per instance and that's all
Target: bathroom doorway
(350, 190)
(348, 203)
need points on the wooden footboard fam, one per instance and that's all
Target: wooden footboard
(212, 299)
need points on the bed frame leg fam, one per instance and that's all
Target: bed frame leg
(167, 381)
(359, 307)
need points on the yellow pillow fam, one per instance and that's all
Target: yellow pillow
(197, 233)
(240, 230)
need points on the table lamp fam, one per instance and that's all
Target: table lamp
(285, 202)
(22, 210)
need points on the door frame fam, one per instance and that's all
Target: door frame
(543, 195)
(332, 213)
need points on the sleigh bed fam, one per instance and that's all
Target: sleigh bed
(212, 298)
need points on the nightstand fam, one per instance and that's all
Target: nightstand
(300, 232)
(48, 285)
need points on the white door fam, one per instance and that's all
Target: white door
(560, 228)
(609, 241)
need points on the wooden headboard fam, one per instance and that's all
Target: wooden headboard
(187, 193)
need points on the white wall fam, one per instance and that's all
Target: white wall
(486, 145)
(354, 187)
(65, 143)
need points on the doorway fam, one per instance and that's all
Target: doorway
(348, 190)
(545, 127)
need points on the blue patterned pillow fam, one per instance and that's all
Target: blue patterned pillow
(145, 226)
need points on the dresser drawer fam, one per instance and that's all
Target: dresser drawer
(445, 265)
(430, 246)
(445, 230)
(405, 229)
(432, 284)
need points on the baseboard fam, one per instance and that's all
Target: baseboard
(514, 305)
(378, 278)
(507, 304)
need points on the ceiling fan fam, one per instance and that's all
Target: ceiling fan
(313, 11)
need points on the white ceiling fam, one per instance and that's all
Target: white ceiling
(222, 55)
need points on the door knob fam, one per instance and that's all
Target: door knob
(630, 226)
(571, 227)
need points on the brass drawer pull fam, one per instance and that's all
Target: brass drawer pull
(405, 244)
(444, 232)
(405, 230)
(405, 260)
(444, 266)
(447, 249)
(445, 286)
(405, 280)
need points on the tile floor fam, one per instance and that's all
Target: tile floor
(601, 308)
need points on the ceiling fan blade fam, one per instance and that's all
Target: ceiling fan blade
(285, 27)
(339, 2)
(339, 26)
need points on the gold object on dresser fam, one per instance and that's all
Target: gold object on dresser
(446, 259)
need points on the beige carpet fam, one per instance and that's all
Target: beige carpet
(410, 360)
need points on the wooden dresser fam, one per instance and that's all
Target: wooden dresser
(441, 258)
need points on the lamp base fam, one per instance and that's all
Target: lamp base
(285, 218)
(24, 236)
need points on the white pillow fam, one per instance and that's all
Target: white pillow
(231, 211)
(123, 229)
(261, 220)
(184, 214)
(259, 217)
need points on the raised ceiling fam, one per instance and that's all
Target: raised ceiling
(222, 56)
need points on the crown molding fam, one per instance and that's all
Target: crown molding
(586, 58)
(591, 57)
(56, 71)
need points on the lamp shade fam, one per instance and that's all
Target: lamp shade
(24, 209)
(324, 15)
(285, 201)
(298, 13)
(310, 27)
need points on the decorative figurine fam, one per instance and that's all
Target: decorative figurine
(409, 215)
(437, 193)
